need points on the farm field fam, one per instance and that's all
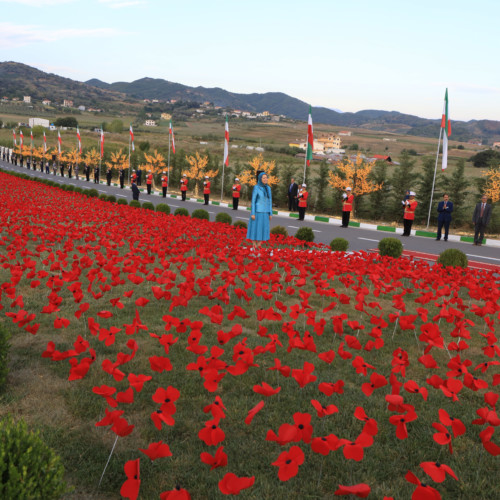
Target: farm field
(166, 345)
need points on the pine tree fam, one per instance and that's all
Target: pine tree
(424, 193)
(378, 199)
(403, 179)
(320, 183)
(456, 187)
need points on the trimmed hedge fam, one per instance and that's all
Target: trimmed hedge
(181, 211)
(121, 201)
(223, 217)
(240, 223)
(103, 197)
(391, 247)
(111, 198)
(93, 193)
(199, 213)
(163, 207)
(148, 206)
(339, 244)
(279, 230)
(135, 203)
(453, 257)
(305, 234)
(28, 467)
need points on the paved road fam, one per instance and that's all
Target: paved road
(359, 239)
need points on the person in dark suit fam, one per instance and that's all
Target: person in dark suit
(444, 209)
(480, 219)
(135, 191)
(292, 195)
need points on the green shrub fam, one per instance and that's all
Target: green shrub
(279, 230)
(148, 206)
(181, 211)
(135, 203)
(391, 247)
(62, 186)
(199, 213)
(28, 467)
(69, 187)
(163, 207)
(122, 201)
(223, 217)
(103, 197)
(78, 189)
(305, 234)
(240, 223)
(93, 193)
(339, 244)
(112, 198)
(453, 257)
(4, 354)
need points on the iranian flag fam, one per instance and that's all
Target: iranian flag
(171, 132)
(310, 139)
(102, 142)
(79, 140)
(14, 135)
(44, 142)
(31, 136)
(226, 144)
(21, 140)
(446, 126)
(59, 141)
(132, 137)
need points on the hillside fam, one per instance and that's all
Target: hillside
(17, 80)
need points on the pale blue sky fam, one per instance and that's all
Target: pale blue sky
(350, 55)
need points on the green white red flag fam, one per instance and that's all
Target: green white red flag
(21, 140)
(59, 141)
(132, 137)
(79, 140)
(226, 144)
(446, 126)
(171, 133)
(310, 139)
(44, 142)
(14, 135)
(102, 142)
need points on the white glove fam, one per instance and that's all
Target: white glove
(344, 196)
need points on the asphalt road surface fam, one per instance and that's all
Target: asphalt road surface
(359, 239)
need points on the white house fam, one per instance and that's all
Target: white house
(27, 99)
(150, 123)
(39, 122)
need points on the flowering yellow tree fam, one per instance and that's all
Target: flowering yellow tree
(71, 156)
(197, 171)
(154, 162)
(492, 186)
(257, 163)
(118, 160)
(92, 158)
(353, 173)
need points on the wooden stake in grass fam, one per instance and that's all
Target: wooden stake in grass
(106, 466)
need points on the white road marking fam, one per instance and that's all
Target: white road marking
(242, 218)
(481, 256)
(121, 195)
(368, 239)
(294, 227)
(316, 231)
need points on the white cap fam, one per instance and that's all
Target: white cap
(412, 193)
(164, 172)
(206, 176)
(348, 189)
(237, 179)
(303, 185)
(184, 175)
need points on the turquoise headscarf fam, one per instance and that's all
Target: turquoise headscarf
(266, 188)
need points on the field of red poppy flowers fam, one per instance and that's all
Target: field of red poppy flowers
(162, 358)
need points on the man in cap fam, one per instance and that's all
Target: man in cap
(347, 201)
(164, 184)
(302, 196)
(149, 181)
(236, 193)
(184, 186)
(410, 205)
(206, 189)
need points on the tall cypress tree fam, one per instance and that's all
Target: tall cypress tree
(378, 199)
(457, 188)
(403, 179)
(424, 193)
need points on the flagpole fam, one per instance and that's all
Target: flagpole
(129, 142)
(168, 162)
(434, 179)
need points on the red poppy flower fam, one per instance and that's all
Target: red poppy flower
(451, 388)
(265, 389)
(177, 493)
(160, 417)
(303, 427)
(371, 426)
(354, 450)
(412, 387)
(423, 491)
(328, 388)
(218, 459)
(343, 354)
(376, 382)
(138, 381)
(212, 434)
(130, 488)
(166, 398)
(231, 484)
(428, 361)
(253, 412)
(160, 364)
(286, 434)
(327, 356)
(157, 450)
(400, 422)
(485, 436)
(323, 411)
(106, 391)
(324, 445)
(289, 462)
(360, 490)
(304, 376)
(437, 471)
(217, 408)
(284, 370)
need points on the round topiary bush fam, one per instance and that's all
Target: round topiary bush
(135, 203)
(121, 201)
(339, 244)
(148, 206)
(69, 187)
(181, 211)
(112, 198)
(279, 230)
(391, 247)
(93, 193)
(78, 189)
(163, 207)
(240, 223)
(4, 353)
(103, 197)
(223, 217)
(199, 213)
(28, 467)
(453, 257)
(305, 234)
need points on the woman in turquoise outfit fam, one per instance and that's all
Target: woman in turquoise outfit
(262, 211)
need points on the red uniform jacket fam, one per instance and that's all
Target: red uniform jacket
(164, 181)
(206, 187)
(410, 210)
(347, 203)
(236, 190)
(134, 177)
(149, 179)
(184, 185)
(303, 198)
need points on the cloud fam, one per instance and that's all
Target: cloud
(12, 35)
(118, 4)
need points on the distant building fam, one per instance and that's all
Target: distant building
(34, 122)
(67, 103)
(166, 116)
(330, 141)
(46, 102)
(318, 147)
(81, 108)
(496, 144)
(345, 132)
(27, 99)
(150, 123)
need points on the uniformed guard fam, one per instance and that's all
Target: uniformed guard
(206, 189)
(149, 181)
(236, 193)
(302, 201)
(164, 184)
(410, 205)
(184, 186)
(347, 201)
